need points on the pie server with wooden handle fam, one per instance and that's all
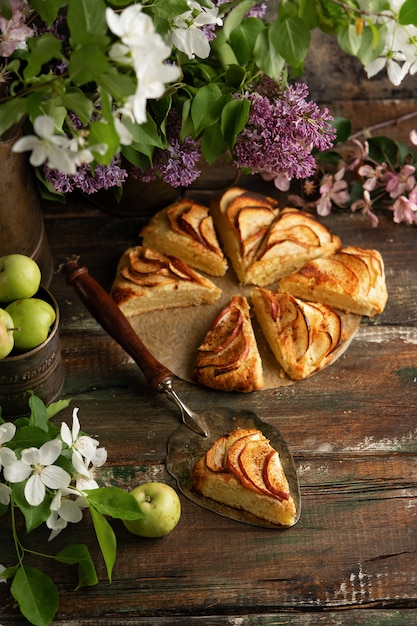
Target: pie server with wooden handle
(199, 430)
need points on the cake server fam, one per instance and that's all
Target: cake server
(198, 431)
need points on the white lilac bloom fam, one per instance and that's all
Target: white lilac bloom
(5, 492)
(64, 509)
(7, 432)
(37, 467)
(187, 34)
(48, 147)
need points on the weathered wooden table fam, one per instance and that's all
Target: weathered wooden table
(352, 557)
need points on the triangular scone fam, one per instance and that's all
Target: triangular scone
(242, 219)
(353, 280)
(228, 359)
(294, 238)
(147, 280)
(244, 471)
(185, 230)
(302, 335)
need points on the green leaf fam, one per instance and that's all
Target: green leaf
(118, 85)
(57, 406)
(267, 57)
(11, 113)
(343, 128)
(30, 435)
(243, 39)
(87, 23)
(233, 119)
(82, 72)
(235, 17)
(5, 9)
(76, 101)
(206, 107)
(115, 502)
(102, 132)
(48, 9)
(36, 595)
(41, 50)
(212, 143)
(106, 539)
(38, 414)
(79, 554)
(291, 39)
(372, 43)
(408, 13)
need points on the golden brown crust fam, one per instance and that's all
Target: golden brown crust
(352, 280)
(302, 335)
(147, 280)
(228, 359)
(264, 243)
(247, 456)
(186, 230)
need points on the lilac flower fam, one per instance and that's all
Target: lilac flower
(176, 165)
(87, 179)
(282, 130)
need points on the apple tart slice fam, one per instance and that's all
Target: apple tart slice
(186, 230)
(302, 335)
(292, 239)
(244, 471)
(147, 280)
(228, 359)
(352, 280)
(242, 219)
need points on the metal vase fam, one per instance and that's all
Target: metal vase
(39, 370)
(22, 227)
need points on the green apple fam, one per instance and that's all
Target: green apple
(6, 333)
(162, 509)
(32, 318)
(20, 277)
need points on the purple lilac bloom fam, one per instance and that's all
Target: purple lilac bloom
(282, 130)
(85, 180)
(176, 165)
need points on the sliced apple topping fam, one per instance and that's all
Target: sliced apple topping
(250, 457)
(194, 220)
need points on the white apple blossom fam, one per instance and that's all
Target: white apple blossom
(187, 35)
(82, 445)
(84, 477)
(5, 492)
(36, 466)
(64, 509)
(48, 147)
(144, 49)
(7, 432)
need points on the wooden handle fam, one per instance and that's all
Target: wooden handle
(103, 308)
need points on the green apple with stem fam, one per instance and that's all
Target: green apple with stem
(20, 277)
(32, 318)
(6, 333)
(161, 507)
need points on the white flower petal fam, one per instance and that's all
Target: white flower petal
(7, 432)
(50, 451)
(55, 477)
(7, 456)
(5, 492)
(17, 471)
(35, 490)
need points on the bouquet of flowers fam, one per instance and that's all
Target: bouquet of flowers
(169, 82)
(47, 474)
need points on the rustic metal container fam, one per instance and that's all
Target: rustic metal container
(39, 370)
(22, 227)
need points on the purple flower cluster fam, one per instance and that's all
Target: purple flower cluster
(281, 133)
(86, 179)
(177, 164)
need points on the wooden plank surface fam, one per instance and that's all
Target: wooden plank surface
(352, 429)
